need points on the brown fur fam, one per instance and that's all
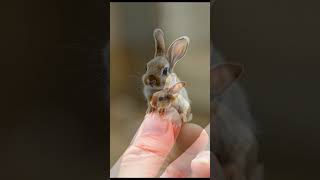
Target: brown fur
(154, 79)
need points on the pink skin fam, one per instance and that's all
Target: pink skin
(155, 139)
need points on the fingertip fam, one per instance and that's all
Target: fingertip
(154, 123)
(172, 114)
(170, 120)
(200, 166)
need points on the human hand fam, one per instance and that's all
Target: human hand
(165, 149)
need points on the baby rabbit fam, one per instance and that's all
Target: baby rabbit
(162, 66)
(170, 96)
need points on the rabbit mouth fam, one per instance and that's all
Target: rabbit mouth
(153, 82)
(155, 86)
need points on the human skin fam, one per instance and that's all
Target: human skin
(165, 149)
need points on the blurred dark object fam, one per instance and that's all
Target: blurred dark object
(53, 118)
(277, 42)
(234, 140)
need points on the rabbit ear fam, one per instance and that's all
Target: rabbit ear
(177, 50)
(177, 87)
(222, 76)
(159, 42)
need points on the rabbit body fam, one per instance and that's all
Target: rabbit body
(159, 71)
(149, 91)
(182, 105)
(171, 96)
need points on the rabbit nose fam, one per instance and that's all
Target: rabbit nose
(152, 80)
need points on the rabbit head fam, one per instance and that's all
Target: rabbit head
(164, 98)
(159, 68)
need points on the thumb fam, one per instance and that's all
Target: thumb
(149, 149)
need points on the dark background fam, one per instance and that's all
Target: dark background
(53, 111)
(277, 41)
(53, 90)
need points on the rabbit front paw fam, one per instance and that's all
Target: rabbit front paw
(162, 111)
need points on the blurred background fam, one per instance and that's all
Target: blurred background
(277, 41)
(132, 46)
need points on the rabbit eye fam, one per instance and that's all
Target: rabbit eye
(160, 98)
(165, 71)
